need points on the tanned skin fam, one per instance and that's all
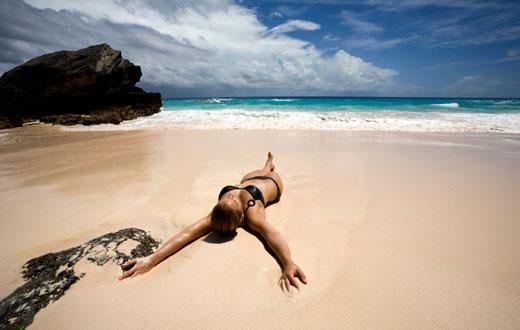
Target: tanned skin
(253, 216)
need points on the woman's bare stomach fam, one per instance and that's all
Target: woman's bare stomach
(267, 186)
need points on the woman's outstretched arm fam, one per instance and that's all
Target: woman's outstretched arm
(174, 244)
(275, 240)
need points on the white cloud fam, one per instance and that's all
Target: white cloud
(513, 52)
(289, 11)
(331, 38)
(455, 64)
(293, 25)
(477, 86)
(359, 71)
(362, 31)
(359, 25)
(208, 44)
(401, 5)
(371, 43)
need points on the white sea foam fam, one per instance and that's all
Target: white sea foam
(218, 100)
(283, 100)
(502, 102)
(447, 105)
(333, 120)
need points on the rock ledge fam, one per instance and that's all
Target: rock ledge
(93, 85)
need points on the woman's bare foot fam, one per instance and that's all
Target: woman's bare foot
(269, 162)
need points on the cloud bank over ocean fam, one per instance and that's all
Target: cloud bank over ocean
(188, 48)
(189, 45)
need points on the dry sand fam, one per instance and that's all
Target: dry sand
(394, 230)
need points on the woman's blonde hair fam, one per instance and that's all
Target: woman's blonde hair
(225, 219)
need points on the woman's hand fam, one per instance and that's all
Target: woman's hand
(136, 267)
(288, 278)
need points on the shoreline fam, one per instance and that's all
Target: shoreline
(30, 136)
(393, 229)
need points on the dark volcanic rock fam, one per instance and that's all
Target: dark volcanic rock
(47, 277)
(93, 85)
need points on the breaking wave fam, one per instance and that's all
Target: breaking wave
(453, 105)
(388, 120)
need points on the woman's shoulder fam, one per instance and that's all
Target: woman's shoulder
(255, 217)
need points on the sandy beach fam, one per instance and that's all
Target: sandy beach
(394, 230)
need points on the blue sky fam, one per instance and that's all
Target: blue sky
(435, 46)
(242, 48)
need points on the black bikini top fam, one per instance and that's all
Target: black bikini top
(252, 190)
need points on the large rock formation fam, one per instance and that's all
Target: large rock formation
(93, 85)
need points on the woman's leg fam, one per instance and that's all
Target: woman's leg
(267, 169)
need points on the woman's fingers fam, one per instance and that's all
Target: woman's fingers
(288, 279)
(294, 282)
(127, 273)
(135, 267)
(281, 284)
(128, 265)
(301, 276)
(287, 284)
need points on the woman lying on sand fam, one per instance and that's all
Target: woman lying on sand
(239, 205)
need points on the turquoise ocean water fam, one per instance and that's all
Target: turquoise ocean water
(326, 104)
(335, 113)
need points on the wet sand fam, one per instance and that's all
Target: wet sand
(394, 230)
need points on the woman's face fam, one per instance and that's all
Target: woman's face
(231, 200)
